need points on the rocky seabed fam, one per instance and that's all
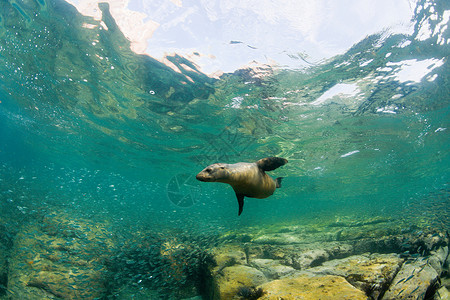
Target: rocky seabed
(290, 265)
(63, 258)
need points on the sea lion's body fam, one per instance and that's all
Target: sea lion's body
(247, 179)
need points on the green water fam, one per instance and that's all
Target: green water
(97, 131)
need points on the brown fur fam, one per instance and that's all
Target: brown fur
(247, 179)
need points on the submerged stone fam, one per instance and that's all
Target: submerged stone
(438, 258)
(278, 239)
(229, 280)
(310, 287)
(371, 273)
(309, 258)
(412, 281)
(292, 268)
(273, 269)
(59, 259)
(442, 294)
(229, 255)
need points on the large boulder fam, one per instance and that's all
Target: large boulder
(420, 276)
(61, 257)
(230, 280)
(412, 281)
(438, 258)
(342, 254)
(272, 269)
(300, 257)
(371, 273)
(309, 258)
(228, 255)
(311, 287)
(442, 294)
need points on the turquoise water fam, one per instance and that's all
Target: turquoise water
(95, 131)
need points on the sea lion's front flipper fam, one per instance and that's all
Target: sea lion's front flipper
(271, 163)
(240, 199)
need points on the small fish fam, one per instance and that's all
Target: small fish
(401, 280)
(422, 268)
(405, 254)
(411, 276)
(401, 291)
(414, 290)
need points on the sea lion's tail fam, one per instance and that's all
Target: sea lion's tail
(278, 182)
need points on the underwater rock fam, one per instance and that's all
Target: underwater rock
(364, 234)
(353, 258)
(438, 258)
(229, 280)
(229, 255)
(305, 256)
(310, 258)
(278, 239)
(420, 276)
(295, 236)
(445, 281)
(60, 257)
(433, 240)
(442, 294)
(372, 262)
(272, 269)
(415, 242)
(370, 273)
(445, 276)
(412, 281)
(311, 287)
(359, 223)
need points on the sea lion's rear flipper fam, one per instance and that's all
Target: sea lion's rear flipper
(271, 163)
(240, 199)
(278, 182)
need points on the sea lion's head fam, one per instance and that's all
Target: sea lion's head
(214, 173)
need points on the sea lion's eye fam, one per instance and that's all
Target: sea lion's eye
(222, 168)
(208, 170)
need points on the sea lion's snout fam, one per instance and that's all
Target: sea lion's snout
(213, 173)
(201, 176)
(205, 175)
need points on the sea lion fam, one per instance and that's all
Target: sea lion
(247, 179)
